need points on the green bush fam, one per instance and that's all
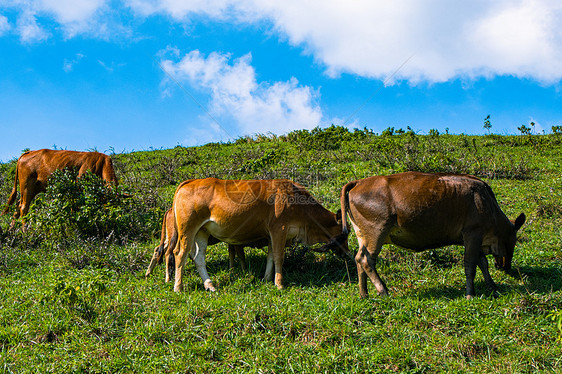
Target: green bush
(87, 207)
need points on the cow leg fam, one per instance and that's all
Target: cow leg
(28, 193)
(236, 251)
(155, 259)
(483, 265)
(25, 202)
(361, 275)
(198, 257)
(278, 249)
(269, 265)
(472, 253)
(231, 255)
(241, 256)
(170, 265)
(183, 248)
(232, 250)
(366, 259)
(16, 215)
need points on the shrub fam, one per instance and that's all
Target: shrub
(87, 207)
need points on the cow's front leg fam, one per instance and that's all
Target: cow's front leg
(483, 265)
(268, 276)
(198, 257)
(278, 253)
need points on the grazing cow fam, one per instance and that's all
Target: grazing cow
(35, 167)
(422, 211)
(168, 241)
(247, 211)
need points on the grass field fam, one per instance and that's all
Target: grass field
(76, 304)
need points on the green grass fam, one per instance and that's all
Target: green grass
(85, 306)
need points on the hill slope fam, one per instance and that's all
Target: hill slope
(83, 305)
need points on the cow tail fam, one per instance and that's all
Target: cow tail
(162, 239)
(344, 199)
(109, 172)
(12, 197)
(172, 244)
(341, 239)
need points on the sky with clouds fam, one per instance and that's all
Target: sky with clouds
(140, 74)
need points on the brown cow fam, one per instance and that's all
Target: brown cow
(246, 211)
(422, 211)
(35, 167)
(168, 241)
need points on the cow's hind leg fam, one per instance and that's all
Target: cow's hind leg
(361, 275)
(236, 251)
(155, 259)
(186, 242)
(366, 258)
(170, 265)
(241, 256)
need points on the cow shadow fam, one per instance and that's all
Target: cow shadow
(537, 280)
(301, 267)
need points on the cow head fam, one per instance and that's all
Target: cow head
(338, 239)
(508, 242)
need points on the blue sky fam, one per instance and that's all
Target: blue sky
(139, 74)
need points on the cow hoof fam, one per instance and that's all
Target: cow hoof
(209, 286)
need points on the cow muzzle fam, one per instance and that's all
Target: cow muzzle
(502, 263)
(338, 245)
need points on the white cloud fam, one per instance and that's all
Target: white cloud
(256, 107)
(74, 17)
(450, 39)
(71, 11)
(68, 65)
(4, 24)
(28, 29)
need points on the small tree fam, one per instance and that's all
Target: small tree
(487, 123)
(524, 129)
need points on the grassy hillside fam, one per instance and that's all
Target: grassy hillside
(70, 302)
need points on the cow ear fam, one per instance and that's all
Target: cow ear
(519, 221)
(338, 215)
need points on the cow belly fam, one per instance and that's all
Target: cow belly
(420, 241)
(232, 235)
